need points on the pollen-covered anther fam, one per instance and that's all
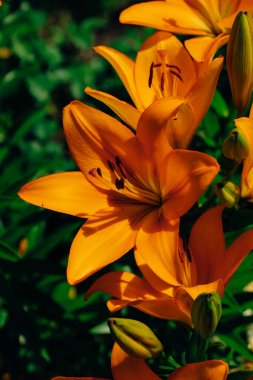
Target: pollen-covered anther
(173, 69)
(95, 172)
(119, 183)
(111, 165)
(121, 167)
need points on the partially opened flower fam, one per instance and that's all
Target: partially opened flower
(202, 266)
(163, 68)
(133, 189)
(125, 367)
(203, 18)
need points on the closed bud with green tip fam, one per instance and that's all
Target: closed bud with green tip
(206, 312)
(240, 60)
(135, 338)
(228, 192)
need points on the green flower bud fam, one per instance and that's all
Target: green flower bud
(135, 338)
(206, 312)
(228, 192)
(240, 60)
(235, 147)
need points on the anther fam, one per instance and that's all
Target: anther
(99, 172)
(111, 165)
(177, 75)
(120, 166)
(119, 183)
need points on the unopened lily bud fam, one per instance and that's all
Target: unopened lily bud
(206, 312)
(240, 60)
(135, 338)
(228, 192)
(235, 147)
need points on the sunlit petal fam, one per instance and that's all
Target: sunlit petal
(124, 67)
(176, 17)
(125, 111)
(104, 238)
(67, 192)
(184, 176)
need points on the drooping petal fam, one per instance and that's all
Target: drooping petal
(207, 244)
(94, 138)
(184, 176)
(104, 238)
(163, 68)
(68, 192)
(234, 256)
(124, 67)
(124, 286)
(211, 369)
(125, 367)
(152, 131)
(157, 244)
(159, 308)
(125, 111)
(177, 17)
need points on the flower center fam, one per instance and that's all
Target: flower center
(166, 77)
(125, 182)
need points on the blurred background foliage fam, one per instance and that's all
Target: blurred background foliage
(46, 327)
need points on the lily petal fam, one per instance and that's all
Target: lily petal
(104, 238)
(166, 48)
(124, 286)
(152, 132)
(184, 176)
(245, 125)
(203, 49)
(199, 101)
(102, 138)
(125, 367)
(207, 244)
(125, 111)
(157, 244)
(211, 369)
(124, 67)
(177, 17)
(235, 255)
(68, 192)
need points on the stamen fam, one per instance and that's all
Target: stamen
(99, 172)
(119, 183)
(188, 254)
(120, 166)
(180, 255)
(111, 165)
(162, 82)
(92, 172)
(173, 67)
(177, 75)
(150, 78)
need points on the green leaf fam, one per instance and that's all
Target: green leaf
(219, 105)
(8, 253)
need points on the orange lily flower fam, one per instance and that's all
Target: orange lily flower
(163, 68)
(204, 265)
(125, 367)
(133, 189)
(203, 18)
(245, 126)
